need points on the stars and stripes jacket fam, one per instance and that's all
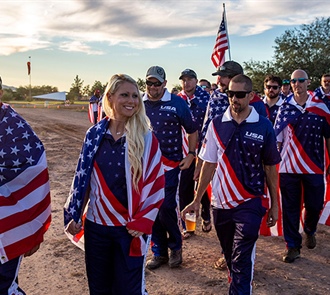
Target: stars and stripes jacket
(25, 212)
(143, 205)
(302, 131)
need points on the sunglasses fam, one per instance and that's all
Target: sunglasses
(156, 84)
(204, 86)
(237, 94)
(300, 80)
(285, 82)
(275, 87)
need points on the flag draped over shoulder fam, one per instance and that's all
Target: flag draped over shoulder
(143, 205)
(25, 212)
(287, 113)
(221, 44)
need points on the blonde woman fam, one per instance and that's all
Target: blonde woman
(121, 174)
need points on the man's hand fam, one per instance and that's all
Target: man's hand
(192, 207)
(272, 216)
(186, 162)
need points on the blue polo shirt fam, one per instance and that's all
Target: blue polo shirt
(167, 116)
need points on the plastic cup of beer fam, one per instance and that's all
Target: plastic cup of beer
(190, 222)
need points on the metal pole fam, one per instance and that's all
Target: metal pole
(30, 95)
(226, 26)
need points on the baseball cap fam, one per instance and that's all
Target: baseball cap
(156, 72)
(189, 73)
(229, 68)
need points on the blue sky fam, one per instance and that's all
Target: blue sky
(96, 39)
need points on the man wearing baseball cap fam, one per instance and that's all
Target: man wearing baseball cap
(168, 114)
(217, 105)
(197, 99)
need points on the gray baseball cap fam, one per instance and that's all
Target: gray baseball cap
(229, 68)
(156, 72)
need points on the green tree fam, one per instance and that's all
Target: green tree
(86, 90)
(141, 84)
(177, 86)
(306, 47)
(97, 85)
(75, 92)
(257, 70)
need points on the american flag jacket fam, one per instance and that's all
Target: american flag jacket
(143, 205)
(25, 212)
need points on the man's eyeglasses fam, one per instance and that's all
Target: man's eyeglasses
(204, 86)
(300, 80)
(275, 87)
(156, 84)
(237, 94)
(285, 82)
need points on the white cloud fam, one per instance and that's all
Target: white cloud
(182, 45)
(82, 25)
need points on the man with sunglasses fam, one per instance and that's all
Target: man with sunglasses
(239, 152)
(272, 99)
(168, 114)
(323, 92)
(301, 127)
(285, 89)
(196, 98)
(206, 85)
(217, 105)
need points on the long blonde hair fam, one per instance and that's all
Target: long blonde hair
(136, 126)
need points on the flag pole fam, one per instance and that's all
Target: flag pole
(225, 18)
(29, 72)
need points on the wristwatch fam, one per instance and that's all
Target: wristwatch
(192, 153)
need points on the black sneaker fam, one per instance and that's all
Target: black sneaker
(175, 258)
(291, 255)
(310, 241)
(156, 261)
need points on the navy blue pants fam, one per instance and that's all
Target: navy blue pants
(165, 231)
(110, 269)
(186, 193)
(238, 230)
(295, 189)
(7, 275)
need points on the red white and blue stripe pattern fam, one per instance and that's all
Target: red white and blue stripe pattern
(25, 212)
(143, 205)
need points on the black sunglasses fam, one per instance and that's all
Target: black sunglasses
(300, 80)
(156, 84)
(237, 94)
(275, 87)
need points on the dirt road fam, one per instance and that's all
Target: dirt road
(58, 267)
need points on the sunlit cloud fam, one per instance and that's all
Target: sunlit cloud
(82, 25)
(79, 47)
(182, 45)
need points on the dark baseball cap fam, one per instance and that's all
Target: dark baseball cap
(156, 72)
(229, 68)
(189, 73)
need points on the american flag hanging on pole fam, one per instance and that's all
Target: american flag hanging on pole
(221, 43)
